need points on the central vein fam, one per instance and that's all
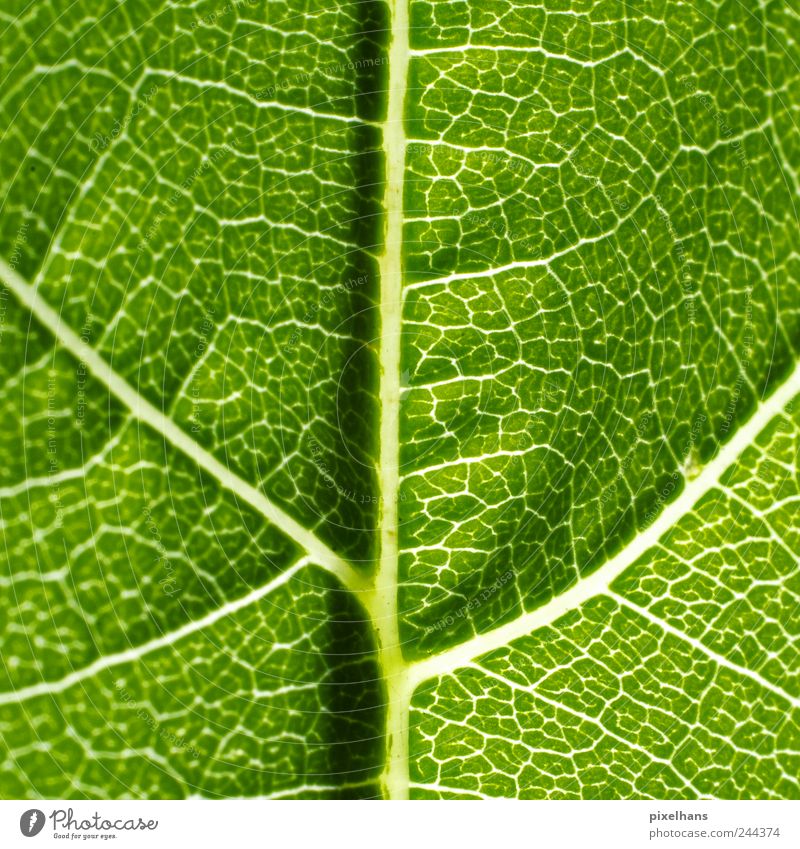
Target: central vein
(382, 600)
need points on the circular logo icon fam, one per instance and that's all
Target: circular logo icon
(31, 822)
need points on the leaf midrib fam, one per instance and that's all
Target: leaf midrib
(379, 594)
(381, 603)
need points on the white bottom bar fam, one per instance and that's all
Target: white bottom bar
(370, 825)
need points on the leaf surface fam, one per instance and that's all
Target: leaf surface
(399, 400)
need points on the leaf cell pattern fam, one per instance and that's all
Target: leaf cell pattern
(399, 399)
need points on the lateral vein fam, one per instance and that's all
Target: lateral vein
(598, 582)
(155, 419)
(701, 647)
(130, 655)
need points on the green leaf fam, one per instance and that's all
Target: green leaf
(679, 679)
(398, 400)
